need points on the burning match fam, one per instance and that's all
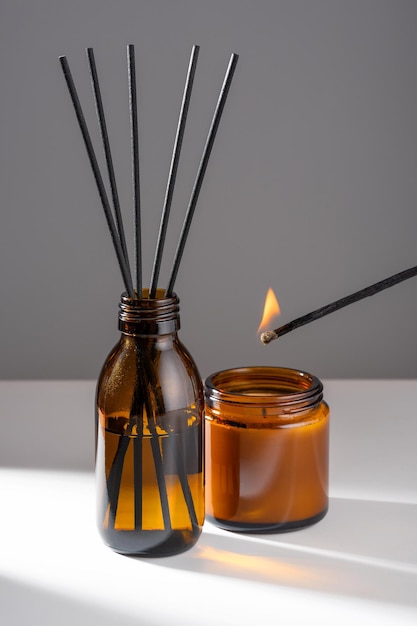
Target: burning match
(270, 335)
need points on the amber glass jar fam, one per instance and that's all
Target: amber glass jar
(267, 438)
(150, 411)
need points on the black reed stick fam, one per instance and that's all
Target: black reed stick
(173, 170)
(182, 475)
(137, 414)
(159, 470)
(127, 279)
(133, 107)
(270, 335)
(154, 405)
(107, 150)
(201, 171)
(115, 474)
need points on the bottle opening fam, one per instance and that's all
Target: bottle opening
(149, 316)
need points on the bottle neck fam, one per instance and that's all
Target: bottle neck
(149, 316)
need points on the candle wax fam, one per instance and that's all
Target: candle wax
(267, 472)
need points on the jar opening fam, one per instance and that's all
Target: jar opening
(264, 386)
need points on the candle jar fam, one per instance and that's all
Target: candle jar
(149, 459)
(267, 440)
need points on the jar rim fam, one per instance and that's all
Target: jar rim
(263, 386)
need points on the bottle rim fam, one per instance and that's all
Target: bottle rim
(145, 316)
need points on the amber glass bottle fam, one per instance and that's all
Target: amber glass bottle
(149, 456)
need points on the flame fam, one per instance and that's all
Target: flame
(271, 310)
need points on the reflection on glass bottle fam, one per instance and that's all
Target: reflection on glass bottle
(149, 460)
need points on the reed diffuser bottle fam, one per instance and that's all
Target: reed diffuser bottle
(149, 460)
(149, 453)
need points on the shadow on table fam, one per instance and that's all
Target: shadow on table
(362, 548)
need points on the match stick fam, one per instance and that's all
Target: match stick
(270, 335)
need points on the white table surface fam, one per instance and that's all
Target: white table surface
(357, 566)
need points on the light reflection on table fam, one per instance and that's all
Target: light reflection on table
(358, 564)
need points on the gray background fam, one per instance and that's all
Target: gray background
(311, 187)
